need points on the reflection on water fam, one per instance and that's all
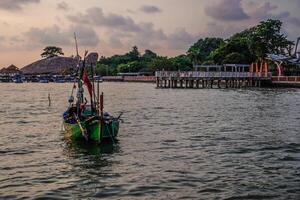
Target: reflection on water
(173, 144)
(82, 148)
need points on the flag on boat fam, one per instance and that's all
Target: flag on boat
(88, 83)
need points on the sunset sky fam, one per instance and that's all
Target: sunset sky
(109, 27)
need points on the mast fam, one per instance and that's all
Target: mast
(79, 78)
(76, 45)
(296, 47)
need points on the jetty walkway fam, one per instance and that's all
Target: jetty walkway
(197, 79)
(209, 76)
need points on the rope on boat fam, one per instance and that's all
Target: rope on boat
(83, 131)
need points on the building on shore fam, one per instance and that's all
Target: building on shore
(7, 73)
(10, 70)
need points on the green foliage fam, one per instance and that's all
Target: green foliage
(51, 51)
(234, 58)
(203, 48)
(134, 66)
(182, 63)
(134, 54)
(148, 55)
(103, 70)
(209, 62)
(267, 38)
(161, 63)
(234, 45)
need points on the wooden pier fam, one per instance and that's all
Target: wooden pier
(220, 78)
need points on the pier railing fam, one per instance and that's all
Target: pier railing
(198, 74)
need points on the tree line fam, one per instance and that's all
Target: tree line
(248, 46)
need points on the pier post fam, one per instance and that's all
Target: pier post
(191, 83)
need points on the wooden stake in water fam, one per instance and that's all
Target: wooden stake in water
(49, 99)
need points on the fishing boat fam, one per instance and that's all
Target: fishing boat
(89, 121)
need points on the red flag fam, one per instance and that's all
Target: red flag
(88, 83)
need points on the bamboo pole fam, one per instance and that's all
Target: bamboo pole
(101, 113)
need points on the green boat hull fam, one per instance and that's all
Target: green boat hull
(108, 132)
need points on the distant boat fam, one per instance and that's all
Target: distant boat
(98, 79)
(43, 81)
(17, 79)
(58, 79)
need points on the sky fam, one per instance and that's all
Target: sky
(110, 27)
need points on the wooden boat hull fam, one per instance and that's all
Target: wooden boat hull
(108, 132)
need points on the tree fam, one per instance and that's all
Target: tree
(234, 58)
(161, 63)
(103, 70)
(195, 55)
(134, 66)
(149, 55)
(234, 45)
(134, 54)
(267, 38)
(51, 51)
(200, 51)
(182, 63)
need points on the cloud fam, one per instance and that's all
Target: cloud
(294, 21)
(125, 29)
(48, 36)
(150, 9)
(86, 35)
(124, 32)
(181, 39)
(95, 16)
(226, 10)
(115, 42)
(148, 36)
(56, 36)
(16, 40)
(15, 4)
(62, 6)
(261, 12)
(2, 39)
(265, 11)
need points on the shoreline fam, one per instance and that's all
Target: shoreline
(276, 81)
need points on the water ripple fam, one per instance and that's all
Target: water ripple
(174, 144)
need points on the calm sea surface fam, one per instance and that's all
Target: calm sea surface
(173, 144)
